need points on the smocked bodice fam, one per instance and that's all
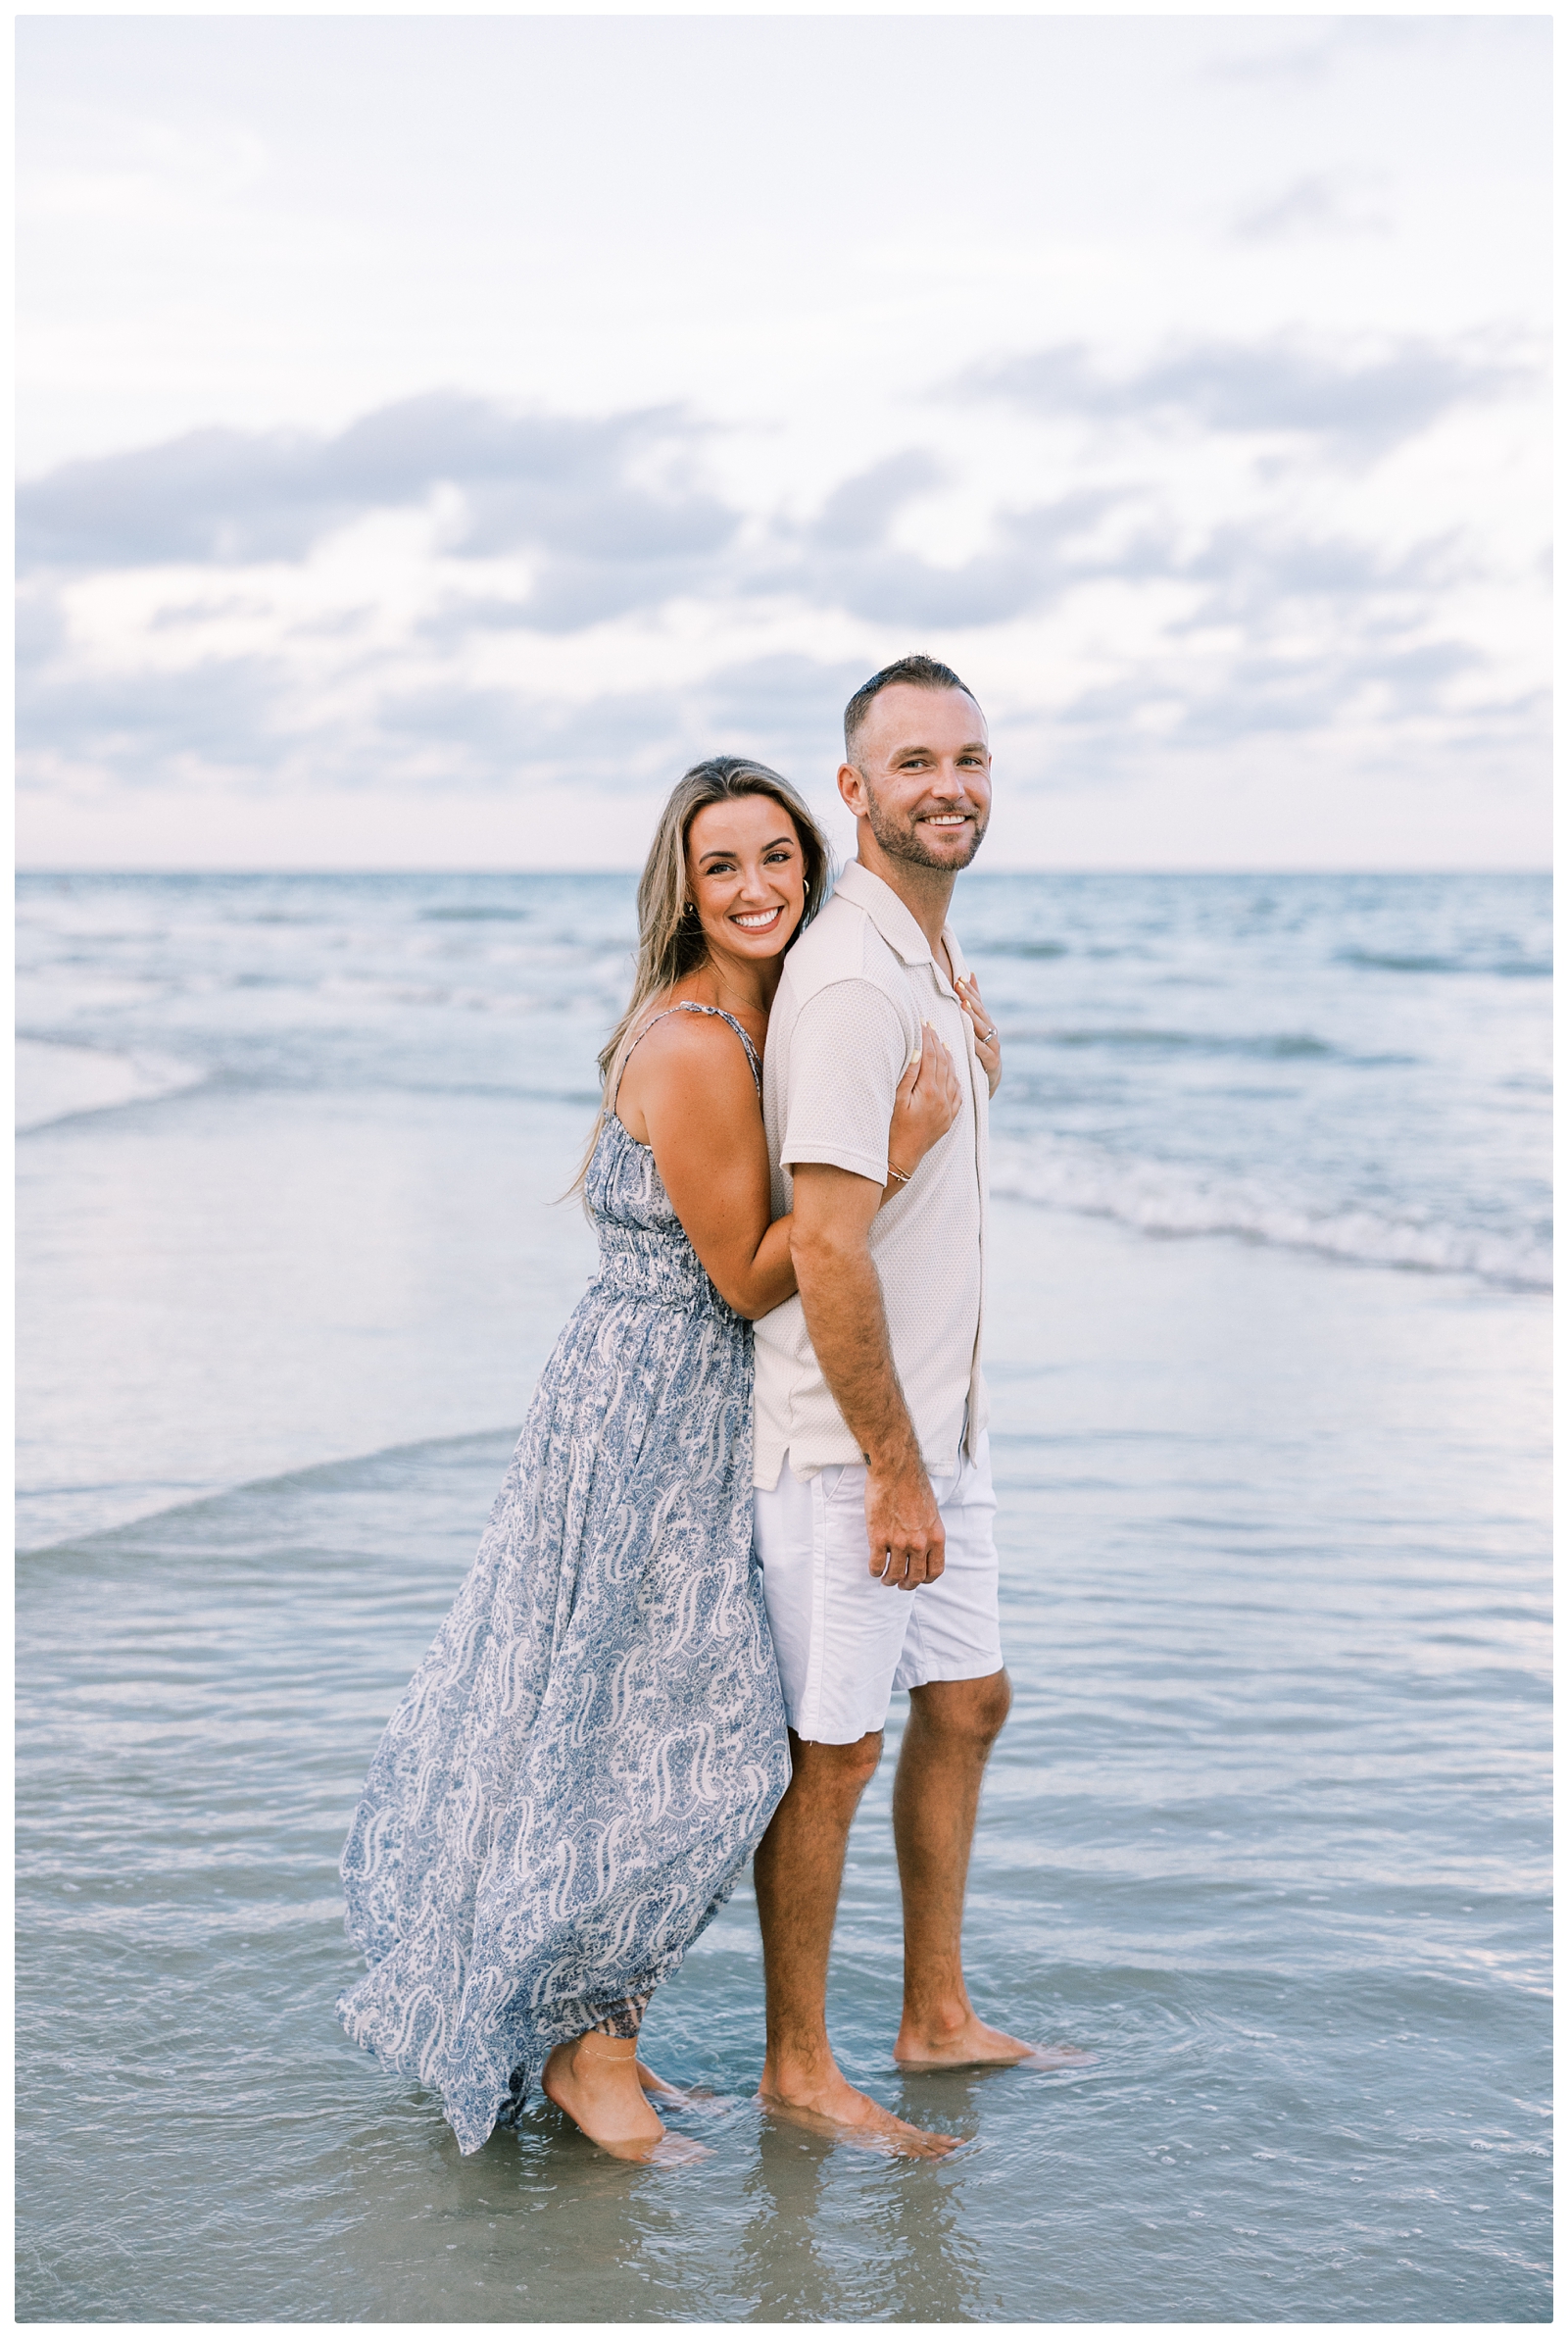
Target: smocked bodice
(643, 1249)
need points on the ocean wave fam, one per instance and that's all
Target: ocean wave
(1392, 961)
(56, 1082)
(1019, 949)
(1160, 1197)
(1271, 1047)
(468, 915)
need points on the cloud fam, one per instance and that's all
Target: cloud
(213, 495)
(452, 735)
(1279, 53)
(1262, 692)
(607, 517)
(1254, 572)
(1267, 693)
(1358, 406)
(251, 721)
(783, 709)
(787, 699)
(846, 560)
(563, 484)
(861, 511)
(1161, 610)
(1336, 204)
(224, 715)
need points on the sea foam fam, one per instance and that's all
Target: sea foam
(55, 1082)
(1161, 1197)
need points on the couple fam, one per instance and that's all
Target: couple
(678, 1642)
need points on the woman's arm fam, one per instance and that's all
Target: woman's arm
(694, 1090)
(695, 1094)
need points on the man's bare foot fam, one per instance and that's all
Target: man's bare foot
(597, 2082)
(833, 2106)
(975, 2045)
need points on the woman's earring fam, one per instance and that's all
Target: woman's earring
(690, 909)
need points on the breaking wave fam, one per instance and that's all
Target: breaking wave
(56, 1082)
(1160, 1197)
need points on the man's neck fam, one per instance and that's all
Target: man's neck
(924, 892)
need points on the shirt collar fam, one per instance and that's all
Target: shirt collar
(893, 921)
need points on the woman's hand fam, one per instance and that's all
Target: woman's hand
(987, 1042)
(923, 1110)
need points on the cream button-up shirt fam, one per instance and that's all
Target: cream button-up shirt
(845, 1022)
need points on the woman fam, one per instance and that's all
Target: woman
(595, 1743)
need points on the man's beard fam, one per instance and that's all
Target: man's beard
(901, 842)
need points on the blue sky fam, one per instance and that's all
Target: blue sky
(436, 432)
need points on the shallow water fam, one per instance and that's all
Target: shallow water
(1267, 1833)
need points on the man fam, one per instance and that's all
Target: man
(873, 1503)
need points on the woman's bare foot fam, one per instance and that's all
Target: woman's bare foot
(684, 2098)
(974, 2045)
(828, 2104)
(598, 2082)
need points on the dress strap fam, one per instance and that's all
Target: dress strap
(693, 1006)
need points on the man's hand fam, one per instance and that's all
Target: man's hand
(903, 1525)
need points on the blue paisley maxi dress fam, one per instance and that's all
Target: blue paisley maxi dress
(594, 1742)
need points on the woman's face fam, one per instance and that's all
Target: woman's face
(747, 874)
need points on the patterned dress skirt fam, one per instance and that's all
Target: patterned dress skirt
(595, 1743)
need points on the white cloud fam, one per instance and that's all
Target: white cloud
(1325, 203)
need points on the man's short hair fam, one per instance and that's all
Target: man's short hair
(923, 674)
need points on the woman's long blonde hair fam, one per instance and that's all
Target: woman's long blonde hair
(671, 945)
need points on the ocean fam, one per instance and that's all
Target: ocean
(1267, 1834)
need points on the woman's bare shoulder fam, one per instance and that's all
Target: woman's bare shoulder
(693, 1055)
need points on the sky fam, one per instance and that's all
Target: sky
(435, 433)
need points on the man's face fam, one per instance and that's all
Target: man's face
(921, 777)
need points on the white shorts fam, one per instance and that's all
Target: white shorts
(845, 1641)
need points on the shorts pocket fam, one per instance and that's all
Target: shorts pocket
(844, 1483)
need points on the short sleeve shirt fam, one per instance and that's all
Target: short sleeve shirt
(845, 1025)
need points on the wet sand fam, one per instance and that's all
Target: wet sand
(1267, 1833)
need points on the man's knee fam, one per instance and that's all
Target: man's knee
(835, 1772)
(967, 1713)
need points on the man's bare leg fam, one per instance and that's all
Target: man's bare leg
(799, 1869)
(936, 1795)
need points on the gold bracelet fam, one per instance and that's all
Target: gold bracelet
(897, 1175)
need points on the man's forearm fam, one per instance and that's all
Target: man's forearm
(842, 1296)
